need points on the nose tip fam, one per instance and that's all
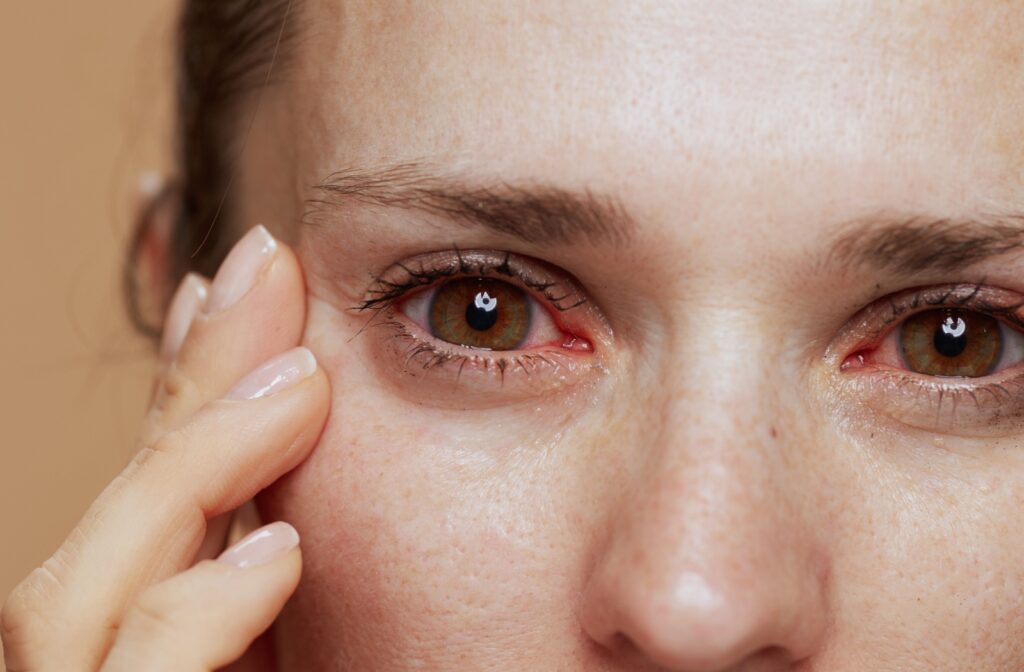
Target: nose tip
(692, 625)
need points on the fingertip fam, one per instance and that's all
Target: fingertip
(262, 546)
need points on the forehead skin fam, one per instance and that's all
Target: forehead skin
(673, 105)
(739, 135)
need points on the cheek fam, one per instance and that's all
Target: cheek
(418, 523)
(927, 561)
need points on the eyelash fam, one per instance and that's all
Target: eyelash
(939, 297)
(886, 316)
(386, 295)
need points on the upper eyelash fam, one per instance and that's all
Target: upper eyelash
(386, 293)
(939, 297)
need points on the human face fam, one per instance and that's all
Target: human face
(718, 461)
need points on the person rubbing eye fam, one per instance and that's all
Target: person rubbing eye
(620, 336)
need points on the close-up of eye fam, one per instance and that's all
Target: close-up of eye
(483, 313)
(483, 320)
(920, 354)
(952, 342)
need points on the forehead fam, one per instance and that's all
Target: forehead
(685, 109)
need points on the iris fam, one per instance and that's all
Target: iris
(481, 312)
(951, 342)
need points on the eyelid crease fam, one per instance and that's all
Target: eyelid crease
(424, 270)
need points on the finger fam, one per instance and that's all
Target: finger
(215, 536)
(207, 616)
(254, 309)
(149, 523)
(256, 280)
(188, 301)
(227, 528)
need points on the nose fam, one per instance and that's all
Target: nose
(710, 566)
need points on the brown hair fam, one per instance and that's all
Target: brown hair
(225, 50)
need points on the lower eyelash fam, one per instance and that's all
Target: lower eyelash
(939, 404)
(429, 356)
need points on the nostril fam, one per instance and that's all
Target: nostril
(686, 623)
(768, 659)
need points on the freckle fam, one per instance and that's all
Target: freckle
(775, 433)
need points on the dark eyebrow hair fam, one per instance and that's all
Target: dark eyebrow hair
(537, 214)
(906, 245)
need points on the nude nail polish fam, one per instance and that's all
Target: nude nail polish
(187, 301)
(261, 546)
(241, 269)
(275, 375)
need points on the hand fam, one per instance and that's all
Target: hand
(237, 405)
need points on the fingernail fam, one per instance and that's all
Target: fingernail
(278, 374)
(261, 546)
(241, 268)
(187, 301)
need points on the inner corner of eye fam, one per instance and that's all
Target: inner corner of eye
(574, 343)
(856, 360)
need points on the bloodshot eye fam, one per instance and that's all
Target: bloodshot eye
(946, 343)
(482, 313)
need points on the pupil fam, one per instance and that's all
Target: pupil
(951, 337)
(483, 312)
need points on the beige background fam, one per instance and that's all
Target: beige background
(84, 104)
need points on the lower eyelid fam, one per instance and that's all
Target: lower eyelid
(462, 378)
(942, 405)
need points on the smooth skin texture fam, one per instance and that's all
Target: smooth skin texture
(715, 493)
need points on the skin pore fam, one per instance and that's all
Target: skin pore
(708, 487)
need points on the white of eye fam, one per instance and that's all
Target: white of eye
(1013, 347)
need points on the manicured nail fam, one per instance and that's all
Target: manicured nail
(187, 301)
(241, 268)
(278, 374)
(261, 546)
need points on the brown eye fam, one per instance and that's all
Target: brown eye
(480, 313)
(949, 342)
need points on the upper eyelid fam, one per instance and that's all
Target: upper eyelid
(387, 292)
(867, 328)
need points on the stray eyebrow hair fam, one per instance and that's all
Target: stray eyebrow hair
(909, 245)
(536, 214)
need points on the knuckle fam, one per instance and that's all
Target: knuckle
(26, 619)
(176, 394)
(176, 389)
(167, 444)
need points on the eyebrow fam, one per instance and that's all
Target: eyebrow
(908, 245)
(548, 215)
(536, 214)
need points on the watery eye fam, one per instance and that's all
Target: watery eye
(951, 342)
(483, 313)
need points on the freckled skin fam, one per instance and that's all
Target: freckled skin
(716, 500)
